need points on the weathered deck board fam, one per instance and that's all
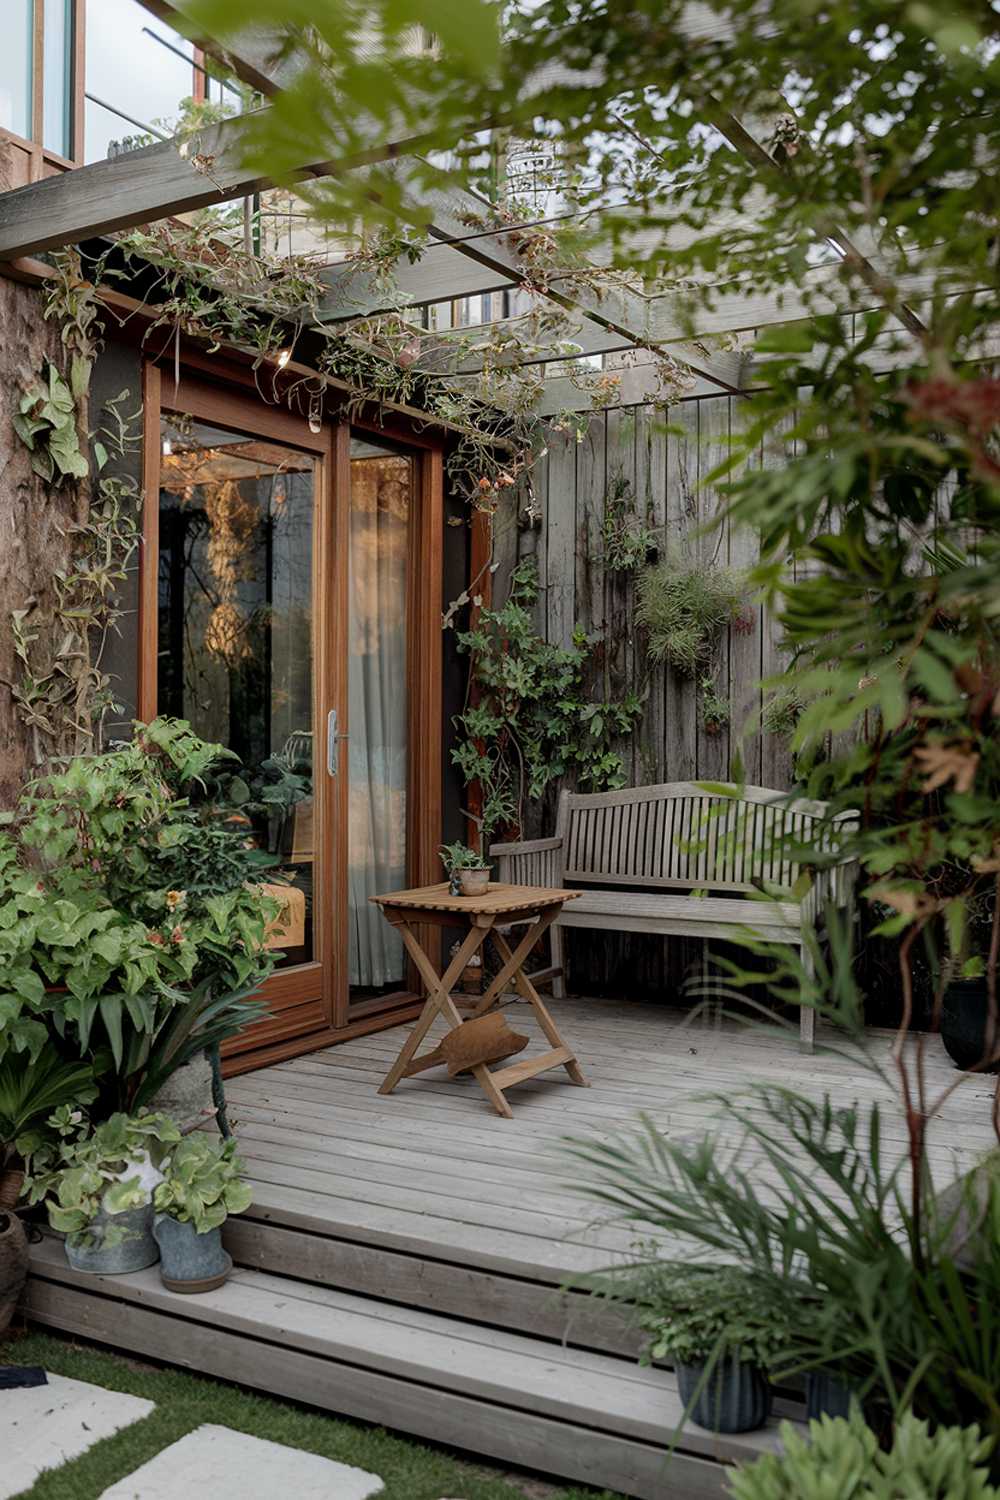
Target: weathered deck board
(404, 1259)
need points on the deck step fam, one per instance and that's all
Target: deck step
(585, 1416)
(414, 1279)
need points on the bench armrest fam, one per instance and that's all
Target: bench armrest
(834, 884)
(529, 862)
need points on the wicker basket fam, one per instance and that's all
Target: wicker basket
(13, 1265)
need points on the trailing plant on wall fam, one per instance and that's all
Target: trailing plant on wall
(63, 693)
(684, 606)
(715, 710)
(529, 718)
(628, 542)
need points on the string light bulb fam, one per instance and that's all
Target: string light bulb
(283, 356)
(168, 447)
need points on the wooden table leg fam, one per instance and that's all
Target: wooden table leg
(514, 961)
(438, 999)
(525, 988)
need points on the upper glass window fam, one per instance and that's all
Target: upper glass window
(57, 90)
(16, 93)
(138, 72)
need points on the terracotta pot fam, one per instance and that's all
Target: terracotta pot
(474, 882)
(13, 1265)
(11, 1183)
(733, 1397)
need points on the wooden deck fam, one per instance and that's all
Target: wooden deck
(403, 1256)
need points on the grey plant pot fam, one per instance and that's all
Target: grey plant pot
(187, 1094)
(735, 1397)
(136, 1251)
(189, 1261)
(826, 1396)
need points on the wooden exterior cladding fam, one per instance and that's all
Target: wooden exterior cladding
(24, 160)
(310, 1001)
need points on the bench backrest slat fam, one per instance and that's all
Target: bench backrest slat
(679, 835)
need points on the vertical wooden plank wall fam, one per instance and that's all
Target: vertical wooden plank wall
(667, 471)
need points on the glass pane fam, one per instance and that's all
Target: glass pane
(15, 67)
(135, 78)
(236, 629)
(58, 76)
(381, 504)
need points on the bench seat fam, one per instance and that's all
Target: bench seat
(683, 860)
(683, 916)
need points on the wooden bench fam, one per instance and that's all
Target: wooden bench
(680, 861)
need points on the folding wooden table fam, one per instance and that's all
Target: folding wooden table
(501, 906)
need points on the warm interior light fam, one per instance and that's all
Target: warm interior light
(168, 447)
(283, 356)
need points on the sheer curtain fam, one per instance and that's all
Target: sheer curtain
(377, 693)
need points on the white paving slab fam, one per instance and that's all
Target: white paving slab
(231, 1465)
(44, 1426)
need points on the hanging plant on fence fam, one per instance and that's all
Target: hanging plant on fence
(529, 718)
(685, 606)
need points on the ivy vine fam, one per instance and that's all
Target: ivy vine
(529, 718)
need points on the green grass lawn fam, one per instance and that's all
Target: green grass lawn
(411, 1470)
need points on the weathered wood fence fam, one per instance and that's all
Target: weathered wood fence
(665, 458)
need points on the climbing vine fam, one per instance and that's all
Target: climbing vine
(63, 694)
(530, 718)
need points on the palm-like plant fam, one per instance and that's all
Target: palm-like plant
(29, 1093)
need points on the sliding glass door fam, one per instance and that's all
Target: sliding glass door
(291, 610)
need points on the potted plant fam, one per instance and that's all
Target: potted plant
(97, 1184)
(202, 1184)
(135, 918)
(721, 1328)
(30, 1089)
(467, 870)
(966, 1031)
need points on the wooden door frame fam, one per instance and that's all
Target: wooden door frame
(235, 407)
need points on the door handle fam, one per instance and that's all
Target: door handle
(333, 739)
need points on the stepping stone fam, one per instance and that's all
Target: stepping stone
(234, 1466)
(44, 1426)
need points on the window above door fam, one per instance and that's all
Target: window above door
(41, 83)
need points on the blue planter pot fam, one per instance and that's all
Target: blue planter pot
(826, 1396)
(189, 1261)
(136, 1250)
(734, 1397)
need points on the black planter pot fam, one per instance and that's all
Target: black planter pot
(826, 1396)
(734, 1397)
(964, 1021)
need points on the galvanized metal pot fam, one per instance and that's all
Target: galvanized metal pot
(733, 1397)
(132, 1253)
(189, 1261)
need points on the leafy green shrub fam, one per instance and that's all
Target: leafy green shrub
(700, 1313)
(104, 943)
(685, 606)
(533, 721)
(202, 1183)
(30, 1090)
(842, 1461)
(86, 1168)
(896, 1306)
